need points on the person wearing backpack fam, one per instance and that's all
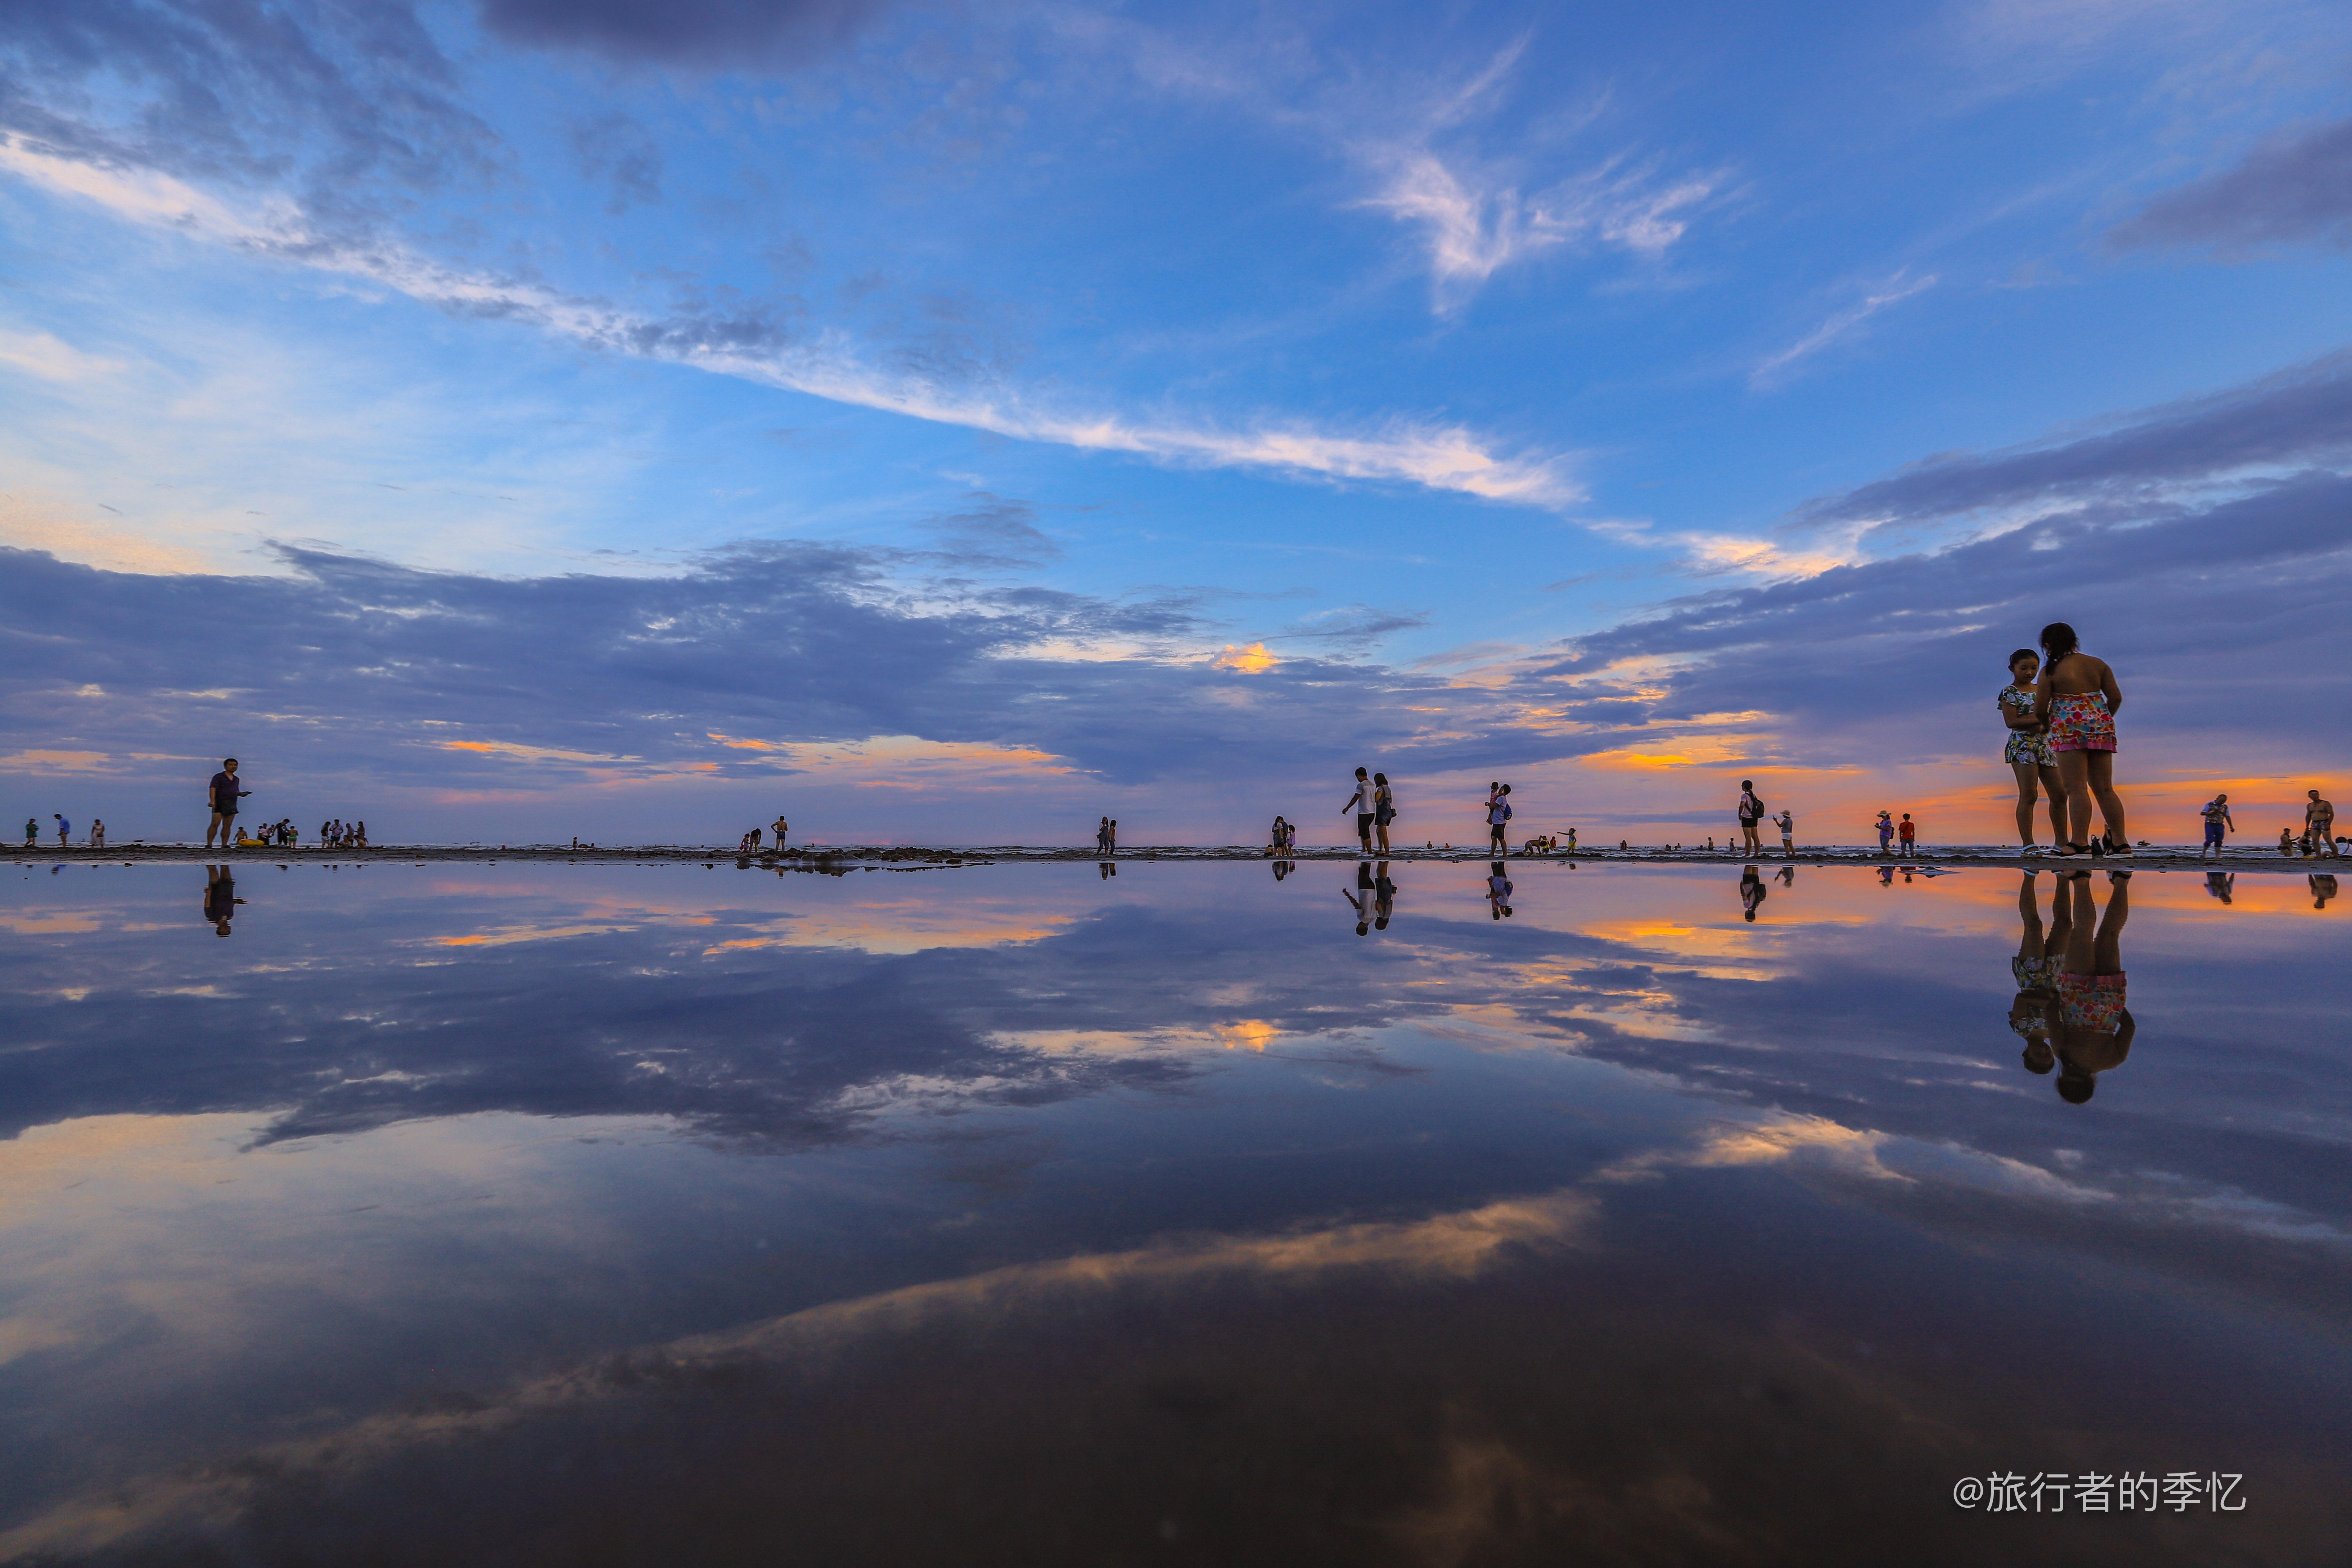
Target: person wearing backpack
(1751, 812)
(1498, 812)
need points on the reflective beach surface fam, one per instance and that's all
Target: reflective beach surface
(545, 1213)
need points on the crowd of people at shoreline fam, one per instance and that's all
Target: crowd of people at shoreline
(2059, 710)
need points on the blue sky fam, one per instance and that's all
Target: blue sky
(1425, 355)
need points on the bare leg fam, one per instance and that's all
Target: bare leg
(2107, 952)
(2056, 788)
(2029, 913)
(2029, 779)
(2081, 957)
(2074, 768)
(2101, 768)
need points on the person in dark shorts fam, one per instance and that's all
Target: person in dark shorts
(225, 797)
(1365, 804)
(220, 899)
(32, 831)
(1498, 815)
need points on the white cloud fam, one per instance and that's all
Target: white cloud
(45, 356)
(1437, 457)
(1895, 288)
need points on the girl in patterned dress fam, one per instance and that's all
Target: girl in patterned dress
(2077, 697)
(2028, 753)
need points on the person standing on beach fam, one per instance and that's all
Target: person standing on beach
(1114, 834)
(65, 830)
(1885, 831)
(2028, 753)
(32, 831)
(1365, 804)
(225, 797)
(1498, 814)
(2319, 821)
(780, 824)
(97, 833)
(2077, 697)
(2216, 813)
(1907, 832)
(1102, 835)
(1384, 808)
(1788, 823)
(1751, 813)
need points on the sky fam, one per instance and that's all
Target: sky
(506, 420)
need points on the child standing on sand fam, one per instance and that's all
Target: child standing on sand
(1788, 833)
(1908, 833)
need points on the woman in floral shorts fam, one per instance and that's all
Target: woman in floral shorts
(2028, 753)
(2078, 698)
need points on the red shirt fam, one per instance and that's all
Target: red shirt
(1907, 830)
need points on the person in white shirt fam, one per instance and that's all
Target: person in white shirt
(1499, 812)
(1365, 804)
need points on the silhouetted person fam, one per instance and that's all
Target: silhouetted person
(225, 797)
(1384, 897)
(220, 899)
(1751, 812)
(2095, 1028)
(1107, 869)
(2319, 822)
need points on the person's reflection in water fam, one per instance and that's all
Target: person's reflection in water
(1751, 892)
(2035, 970)
(1107, 869)
(1498, 890)
(1363, 906)
(2323, 888)
(1886, 876)
(220, 899)
(1384, 897)
(2218, 884)
(1788, 876)
(2095, 1028)
(1283, 868)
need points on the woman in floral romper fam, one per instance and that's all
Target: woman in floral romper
(2028, 754)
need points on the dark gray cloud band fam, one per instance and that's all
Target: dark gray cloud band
(2292, 189)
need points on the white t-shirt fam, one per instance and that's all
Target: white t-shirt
(1495, 817)
(1363, 791)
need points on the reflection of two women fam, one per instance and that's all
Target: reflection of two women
(1751, 890)
(2075, 991)
(220, 899)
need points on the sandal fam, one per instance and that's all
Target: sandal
(2070, 849)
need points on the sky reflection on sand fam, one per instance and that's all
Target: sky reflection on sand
(312, 1189)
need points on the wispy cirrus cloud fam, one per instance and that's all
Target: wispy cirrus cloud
(1839, 324)
(1477, 219)
(771, 348)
